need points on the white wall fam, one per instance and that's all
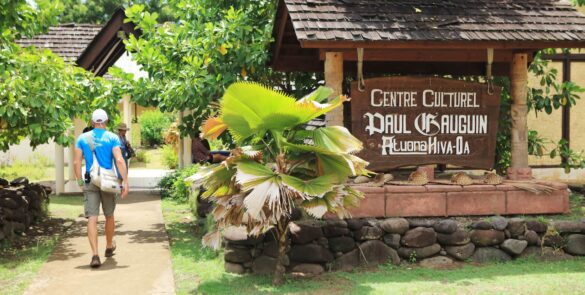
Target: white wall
(24, 152)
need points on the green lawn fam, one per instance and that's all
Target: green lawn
(198, 270)
(19, 267)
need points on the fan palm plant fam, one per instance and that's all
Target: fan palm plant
(278, 165)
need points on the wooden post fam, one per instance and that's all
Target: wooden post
(519, 169)
(127, 115)
(59, 169)
(180, 144)
(187, 158)
(71, 186)
(334, 80)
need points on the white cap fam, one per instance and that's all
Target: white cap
(99, 116)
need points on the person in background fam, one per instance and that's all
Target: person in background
(126, 147)
(201, 151)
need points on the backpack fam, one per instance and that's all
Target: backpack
(106, 179)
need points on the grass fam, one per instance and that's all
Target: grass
(19, 267)
(155, 160)
(200, 271)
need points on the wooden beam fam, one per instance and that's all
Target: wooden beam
(438, 55)
(280, 33)
(522, 45)
(334, 80)
(519, 169)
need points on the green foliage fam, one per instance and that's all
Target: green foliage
(141, 157)
(170, 157)
(190, 62)
(153, 124)
(175, 187)
(100, 11)
(31, 80)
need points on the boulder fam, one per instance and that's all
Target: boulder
(347, 261)
(4, 182)
(436, 262)
(368, 233)
(336, 222)
(341, 244)
(544, 253)
(303, 232)
(421, 222)
(555, 241)
(335, 231)
(18, 227)
(499, 223)
(307, 269)
(394, 225)
(323, 241)
(264, 265)
(270, 249)
(419, 237)
(392, 240)
(361, 179)
(234, 268)
(8, 203)
(19, 181)
(576, 245)
(532, 238)
(516, 226)
(446, 226)
(375, 252)
(482, 224)
(354, 224)
(238, 235)
(484, 238)
(237, 255)
(461, 252)
(537, 226)
(419, 253)
(566, 226)
(460, 237)
(310, 253)
(490, 254)
(514, 247)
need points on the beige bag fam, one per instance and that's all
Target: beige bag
(106, 179)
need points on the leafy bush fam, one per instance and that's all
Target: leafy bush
(152, 126)
(142, 157)
(170, 157)
(174, 185)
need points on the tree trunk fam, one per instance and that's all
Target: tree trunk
(282, 237)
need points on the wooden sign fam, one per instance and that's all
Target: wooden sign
(406, 121)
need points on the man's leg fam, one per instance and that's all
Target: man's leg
(92, 234)
(110, 229)
(109, 205)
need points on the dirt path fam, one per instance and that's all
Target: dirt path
(142, 264)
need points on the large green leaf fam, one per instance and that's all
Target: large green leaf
(336, 139)
(313, 187)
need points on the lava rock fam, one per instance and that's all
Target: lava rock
(514, 247)
(566, 226)
(376, 252)
(482, 224)
(323, 241)
(9, 203)
(421, 222)
(308, 269)
(270, 249)
(354, 224)
(19, 181)
(461, 252)
(335, 231)
(499, 223)
(337, 222)
(516, 226)
(484, 238)
(545, 253)
(419, 253)
(361, 179)
(4, 182)
(368, 233)
(237, 255)
(234, 268)
(341, 244)
(264, 265)
(447, 226)
(394, 225)
(419, 237)
(436, 262)
(575, 245)
(347, 261)
(460, 237)
(532, 238)
(537, 226)
(310, 253)
(305, 232)
(490, 254)
(392, 240)
(555, 241)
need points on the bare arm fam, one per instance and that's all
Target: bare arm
(122, 169)
(77, 163)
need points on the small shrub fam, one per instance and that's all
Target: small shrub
(170, 157)
(175, 187)
(152, 126)
(142, 157)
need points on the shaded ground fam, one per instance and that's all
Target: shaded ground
(199, 270)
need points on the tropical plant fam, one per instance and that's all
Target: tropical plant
(153, 125)
(170, 156)
(278, 165)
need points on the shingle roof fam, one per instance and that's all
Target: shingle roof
(426, 20)
(65, 40)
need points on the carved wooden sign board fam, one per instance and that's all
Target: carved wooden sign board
(406, 121)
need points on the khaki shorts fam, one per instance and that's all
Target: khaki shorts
(92, 199)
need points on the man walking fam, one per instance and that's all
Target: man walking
(107, 148)
(125, 146)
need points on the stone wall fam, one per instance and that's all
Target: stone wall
(21, 205)
(333, 245)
